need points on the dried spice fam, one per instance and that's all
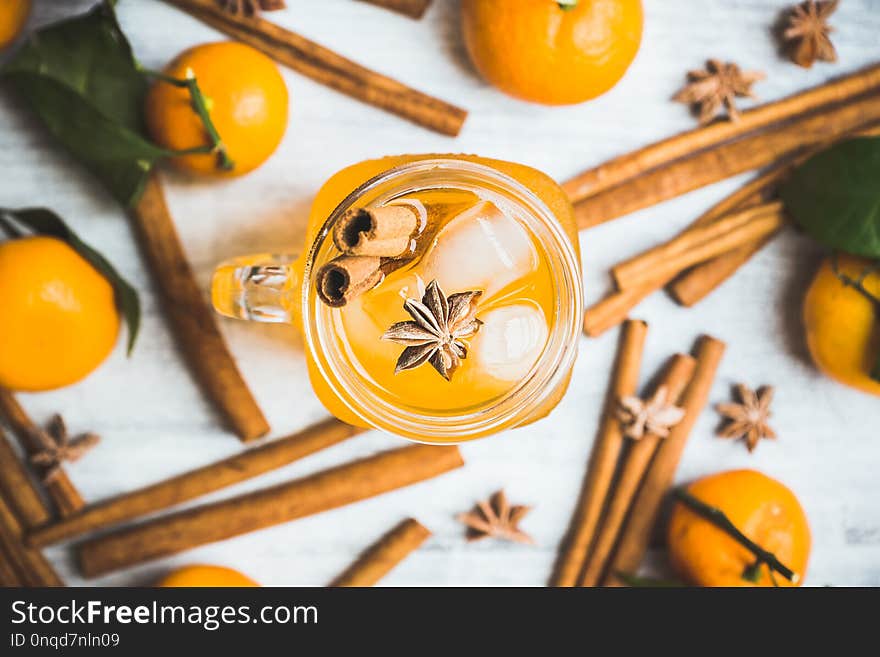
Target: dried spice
(748, 418)
(716, 87)
(655, 416)
(250, 7)
(58, 447)
(807, 34)
(438, 330)
(496, 518)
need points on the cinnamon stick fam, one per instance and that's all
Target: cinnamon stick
(412, 8)
(614, 308)
(379, 559)
(635, 535)
(30, 568)
(62, 492)
(635, 462)
(193, 322)
(345, 484)
(195, 483)
(21, 493)
(329, 68)
(661, 154)
(384, 232)
(697, 283)
(9, 577)
(700, 244)
(346, 278)
(603, 462)
(746, 152)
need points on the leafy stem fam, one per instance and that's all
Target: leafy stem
(200, 104)
(858, 284)
(718, 518)
(42, 221)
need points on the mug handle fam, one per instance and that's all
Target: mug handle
(259, 288)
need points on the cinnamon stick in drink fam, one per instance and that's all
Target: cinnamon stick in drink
(700, 244)
(319, 492)
(603, 462)
(384, 232)
(623, 169)
(747, 152)
(193, 484)
(635, 462)
(60, 488)
(379, 559)
(192, 320)
(636, 532)
(329, 68)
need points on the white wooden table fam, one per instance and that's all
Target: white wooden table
(155, 423)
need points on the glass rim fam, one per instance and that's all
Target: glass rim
(512, 407)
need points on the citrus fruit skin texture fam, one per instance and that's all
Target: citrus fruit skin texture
(536, 51)
(205, 576)
(842, 325)
(247, 100)
(13, 16)
(59, 318)
(763, 509)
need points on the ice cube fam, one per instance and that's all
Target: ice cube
(510, 341)
(480, 249)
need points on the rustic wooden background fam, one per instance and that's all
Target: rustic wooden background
(154, 422)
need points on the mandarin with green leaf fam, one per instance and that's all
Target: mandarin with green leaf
(246, 98)
(59, 320)
(842, 321)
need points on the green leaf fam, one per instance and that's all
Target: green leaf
(648, 582)
(81, 78)
(565, 5)
(835, 197)
(45, 222)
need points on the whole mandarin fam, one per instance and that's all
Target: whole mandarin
(247, 100)
(842, 324)
(59, 315)
(763, 509)
(537, 51)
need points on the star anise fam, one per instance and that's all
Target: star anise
(748, 418)
(250, 7)
(807, 32)
(655, 416)
(717, 86)
(58, 447)
(438, 330)
(496, 518)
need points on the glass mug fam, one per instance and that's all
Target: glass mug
(503, 230)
